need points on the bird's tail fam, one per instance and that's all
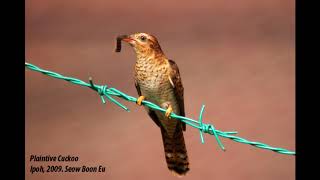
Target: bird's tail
(175, 152)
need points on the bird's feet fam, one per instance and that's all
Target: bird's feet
(169, 111)
(140, 99)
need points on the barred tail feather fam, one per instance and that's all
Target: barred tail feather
(175, 152)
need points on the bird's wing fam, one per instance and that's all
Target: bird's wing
(176, 82)
(151, 113)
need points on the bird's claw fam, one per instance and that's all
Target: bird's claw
(140, 99)
(169, 111)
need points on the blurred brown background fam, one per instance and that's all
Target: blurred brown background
(236, 57)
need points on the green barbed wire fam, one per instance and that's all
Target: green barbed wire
(108, 92)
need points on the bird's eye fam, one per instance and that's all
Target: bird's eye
(143, 38)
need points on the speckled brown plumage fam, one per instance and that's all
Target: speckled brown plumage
(158, 79)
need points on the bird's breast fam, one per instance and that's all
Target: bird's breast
(153, 80)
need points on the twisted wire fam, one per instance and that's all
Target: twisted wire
(108, 92)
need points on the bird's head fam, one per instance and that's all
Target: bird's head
(144, 44)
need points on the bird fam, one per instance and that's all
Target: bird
(157, 79)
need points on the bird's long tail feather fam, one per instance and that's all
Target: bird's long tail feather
(175, 152)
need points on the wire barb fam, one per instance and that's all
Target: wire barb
(100, 92)
(203, 128)
(208, 128)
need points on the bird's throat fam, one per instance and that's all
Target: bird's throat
(150, 61)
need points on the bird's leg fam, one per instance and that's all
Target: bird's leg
(140, 99)
(169, 109)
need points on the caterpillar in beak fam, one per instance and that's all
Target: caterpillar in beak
(119, 39)
(118, 43)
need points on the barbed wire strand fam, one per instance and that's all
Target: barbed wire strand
(108, 92)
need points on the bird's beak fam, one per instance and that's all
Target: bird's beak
(125, 38)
